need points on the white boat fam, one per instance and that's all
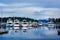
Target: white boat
(16, 23)
(50, 24)
(34, 24)
(9, 22)
(25, 23)
(40, 24)
(30, 24)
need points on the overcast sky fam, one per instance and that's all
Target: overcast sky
(37, 9)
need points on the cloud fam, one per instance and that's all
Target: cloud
(2, 4)
(15, 4)
(41, 3)
(27, 10)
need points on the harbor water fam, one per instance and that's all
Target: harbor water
(38, 33)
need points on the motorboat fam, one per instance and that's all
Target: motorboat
(34, 24)
(9, 22)
(16, 24)
(24, 23)
(50, 24)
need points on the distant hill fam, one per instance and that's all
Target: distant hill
(19, 18)
(43, 20)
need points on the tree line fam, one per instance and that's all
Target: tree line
(55, 20)
(4, 19)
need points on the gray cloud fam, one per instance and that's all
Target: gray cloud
(32, 10)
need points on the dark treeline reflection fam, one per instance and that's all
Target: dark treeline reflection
(57, 27)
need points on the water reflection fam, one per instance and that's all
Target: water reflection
(33, 33)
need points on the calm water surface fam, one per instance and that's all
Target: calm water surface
(40, 33)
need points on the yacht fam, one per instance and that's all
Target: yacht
(30, 25)
(25, 23)
(9, 22)
(16, 24)
(40, 24)
(34, 24)
(50, 24)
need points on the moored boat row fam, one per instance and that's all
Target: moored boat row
(17, 23)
